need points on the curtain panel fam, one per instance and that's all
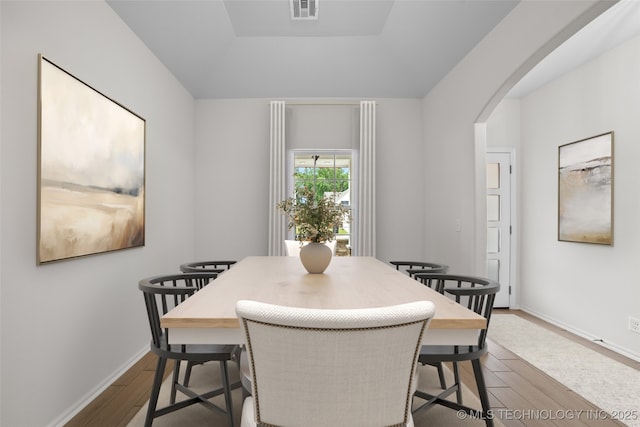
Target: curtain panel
(277, 178)
(364, 221)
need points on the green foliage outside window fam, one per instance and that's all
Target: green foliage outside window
(326, 180)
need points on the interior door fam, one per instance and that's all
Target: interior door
(499, 223)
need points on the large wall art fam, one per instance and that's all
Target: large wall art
(585, 190)
(91, 169)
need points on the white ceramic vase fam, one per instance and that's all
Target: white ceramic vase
(315, 257)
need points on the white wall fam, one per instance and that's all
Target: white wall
(68, 328)
(503, 127)
(589, 288)
(316, 125)
(232, 170)
(455, 164)
(232, 178)
(400, 181)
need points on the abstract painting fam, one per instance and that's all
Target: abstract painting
(91, 169)
(585, 190)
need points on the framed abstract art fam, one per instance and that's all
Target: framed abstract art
(585, 190)
(91, 169)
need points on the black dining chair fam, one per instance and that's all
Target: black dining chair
(432, 280)
(207, 266)
(214, 267)
(161, 294)
(477, 294)
(413, 267)
(219, 267)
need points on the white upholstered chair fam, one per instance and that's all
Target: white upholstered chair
(318, 368)
(293, 246)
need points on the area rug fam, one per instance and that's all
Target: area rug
(197, 415)
(607, 383)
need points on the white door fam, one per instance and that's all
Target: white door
(499, 223)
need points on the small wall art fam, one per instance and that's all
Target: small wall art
(91, 169)
(585, 190)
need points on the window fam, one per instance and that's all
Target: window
(362, 230)
(330, 174)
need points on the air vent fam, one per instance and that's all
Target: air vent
(304, 9)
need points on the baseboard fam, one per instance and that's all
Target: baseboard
(583, 334)
(93, 394)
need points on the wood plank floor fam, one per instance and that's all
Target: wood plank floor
(520, 394)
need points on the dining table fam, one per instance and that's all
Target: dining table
(350, 282)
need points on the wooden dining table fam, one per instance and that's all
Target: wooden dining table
(209, 317)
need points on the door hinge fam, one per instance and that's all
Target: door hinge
(510, 229)
(509, 289)
(510, 169)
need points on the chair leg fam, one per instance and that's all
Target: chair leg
(456, 380)
(155, 391)
(443, 382)
(227, 391)
(187, 374)
(176, 375)
(482, 391)
(243, 368)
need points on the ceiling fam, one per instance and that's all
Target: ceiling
(355, 49)
(618, 24)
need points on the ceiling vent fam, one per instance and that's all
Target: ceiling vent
(304, 9)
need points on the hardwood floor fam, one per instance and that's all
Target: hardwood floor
(118, 404)
(520, 394)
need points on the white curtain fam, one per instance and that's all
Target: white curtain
(365, 216)
(277, 179)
